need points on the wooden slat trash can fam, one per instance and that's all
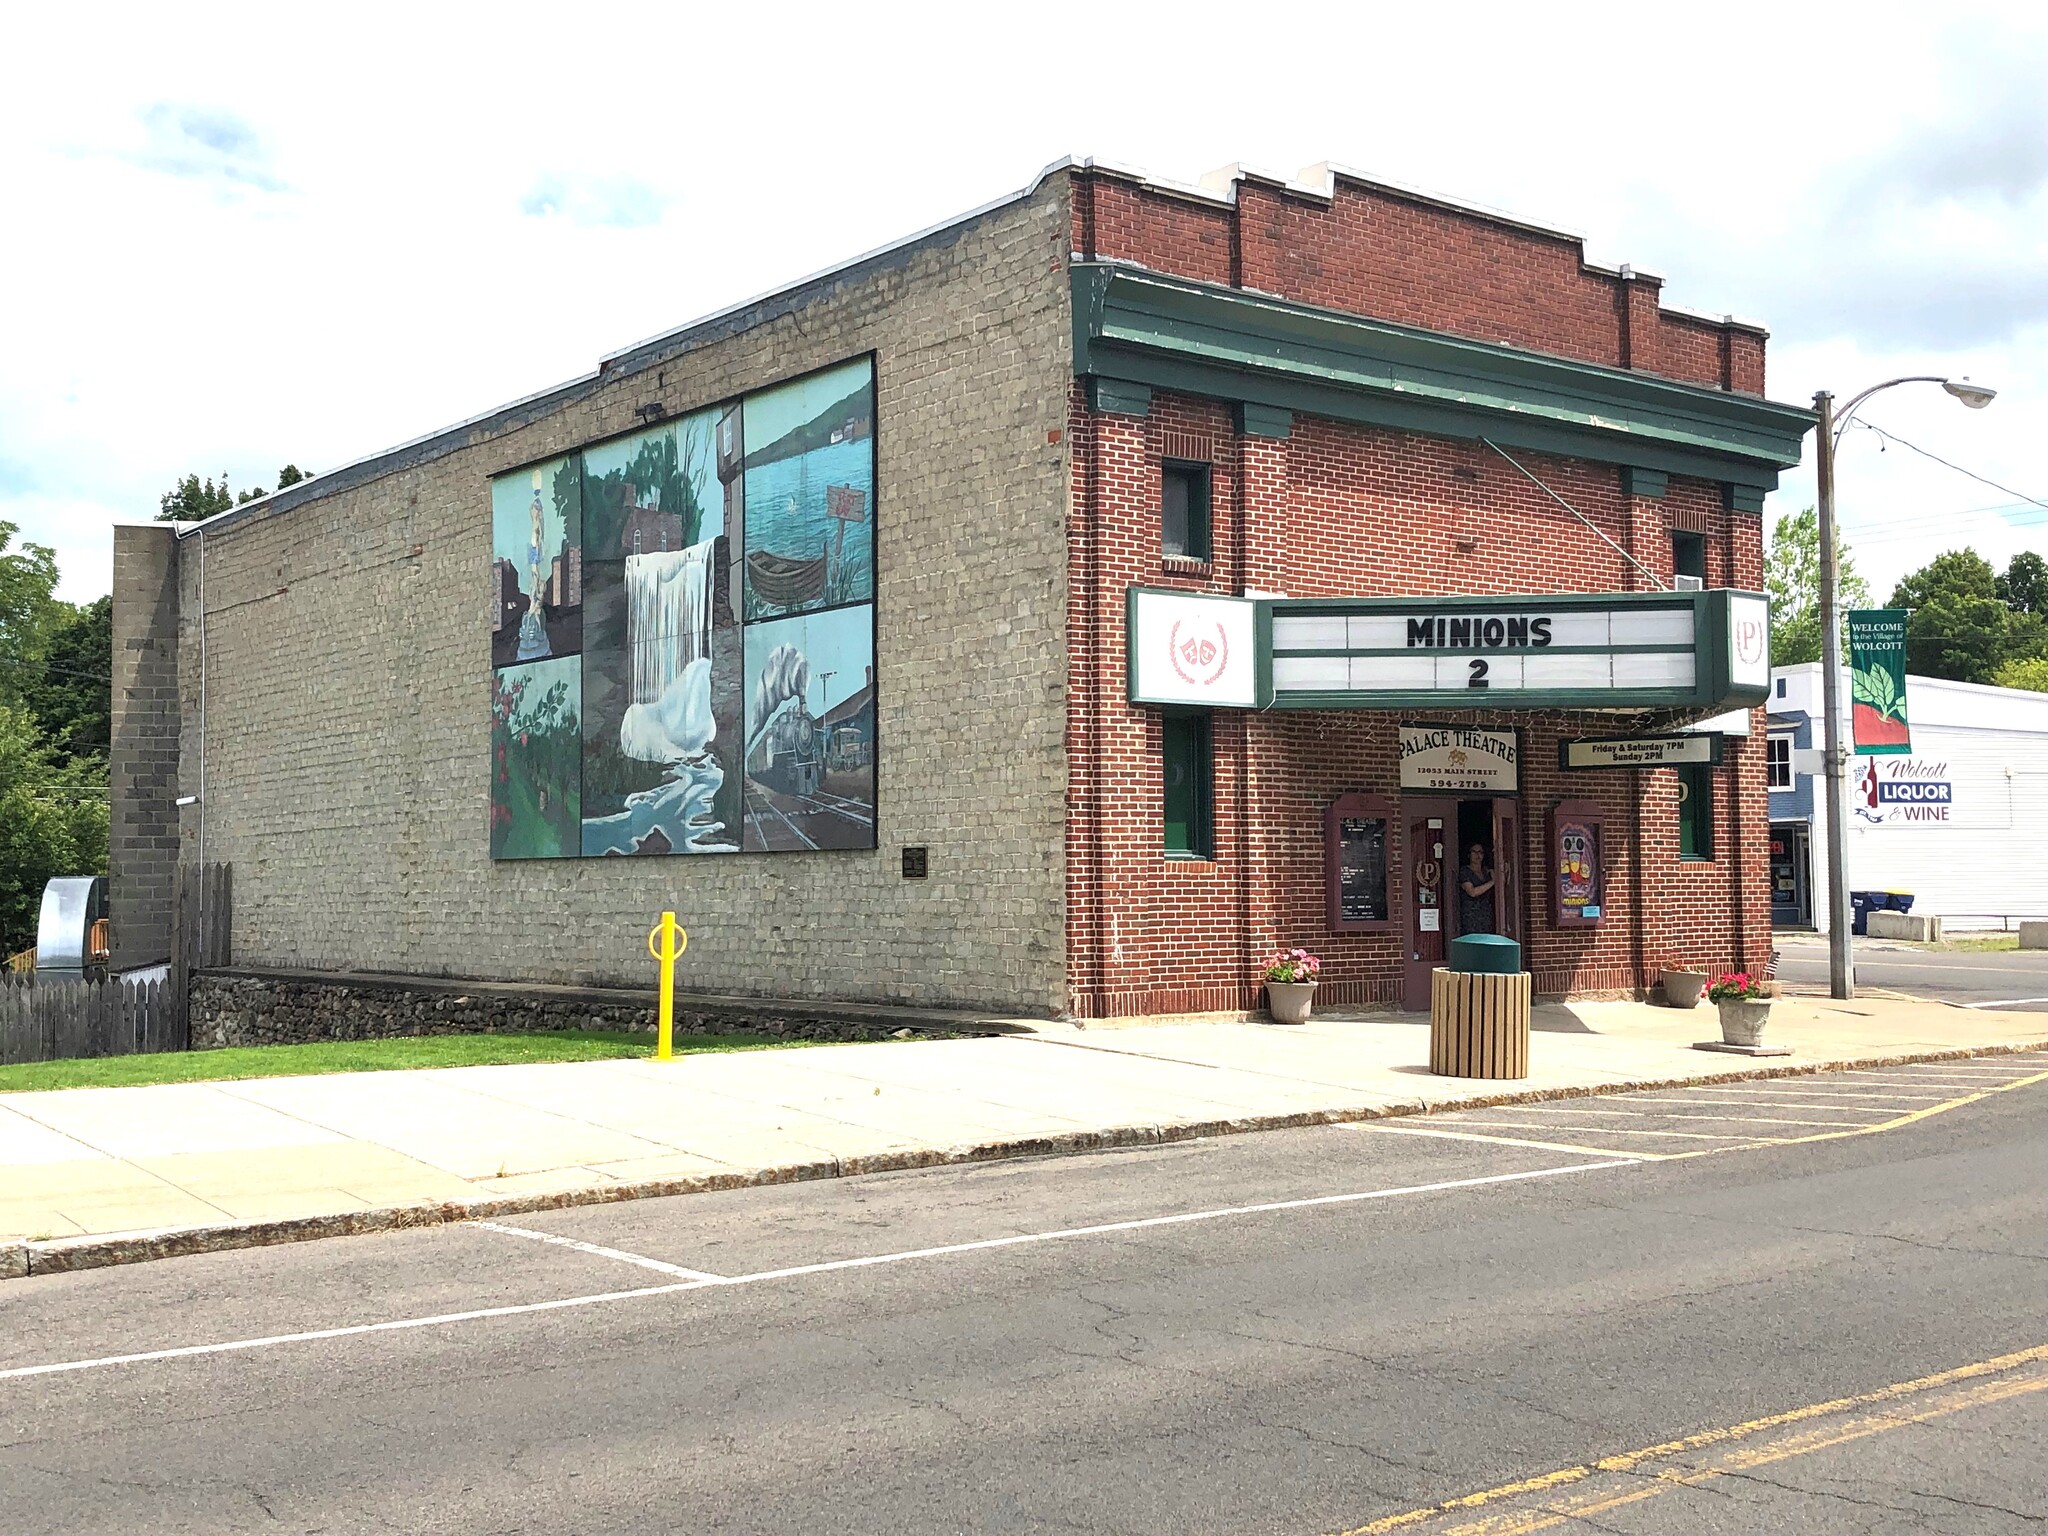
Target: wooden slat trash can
(1479, 1019)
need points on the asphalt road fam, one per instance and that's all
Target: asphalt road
(2010, 980)
(1823, 1281)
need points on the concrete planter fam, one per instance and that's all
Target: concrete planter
(1743, 1019)
(1682, 989)
(1289, 1001)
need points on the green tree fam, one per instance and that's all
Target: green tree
(29, 611)
(53, 821)
(70, 692)
(193, 499)
(1959, 628)
(1792, 577)
(2024, 586)
(2028, 672)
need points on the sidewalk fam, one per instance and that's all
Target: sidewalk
(107, 1175)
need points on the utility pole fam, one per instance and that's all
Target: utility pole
(1841, 963)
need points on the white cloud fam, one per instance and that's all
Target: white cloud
(335, 231)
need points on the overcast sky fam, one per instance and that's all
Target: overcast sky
(241, 238)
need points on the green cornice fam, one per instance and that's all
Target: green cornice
(1148, 328)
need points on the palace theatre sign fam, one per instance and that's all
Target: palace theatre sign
(1633, 652)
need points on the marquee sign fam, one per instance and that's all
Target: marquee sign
(1188, 648)
(1626, 651)
(1641, 751)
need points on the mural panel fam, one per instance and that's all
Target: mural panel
(810, 486)
(536, 771)
(683, 634)
(811, 731)
(536, 563)
(661, 656)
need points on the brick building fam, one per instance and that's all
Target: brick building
(1240, 555)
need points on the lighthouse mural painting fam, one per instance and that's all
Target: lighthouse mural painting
(714, 659)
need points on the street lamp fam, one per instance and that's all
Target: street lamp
(1841, 968)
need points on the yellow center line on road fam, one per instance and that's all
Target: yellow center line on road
(1897, 1406)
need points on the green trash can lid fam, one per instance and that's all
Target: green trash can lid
(1493, 953)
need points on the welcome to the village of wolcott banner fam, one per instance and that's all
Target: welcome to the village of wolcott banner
(1877, 681)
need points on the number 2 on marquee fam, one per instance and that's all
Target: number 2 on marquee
(1478, 677)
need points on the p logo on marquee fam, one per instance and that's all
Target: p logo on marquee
(1749, 641)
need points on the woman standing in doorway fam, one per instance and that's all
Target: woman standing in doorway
(1475, 892)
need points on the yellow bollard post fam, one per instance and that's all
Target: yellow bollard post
(673, 941)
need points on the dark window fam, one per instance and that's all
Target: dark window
(1778, 761)
(1695, 811)
(1689, 556)
(1184, 509)
(1187, 776)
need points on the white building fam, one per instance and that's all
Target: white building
(1961, 821)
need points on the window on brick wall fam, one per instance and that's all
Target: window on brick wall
(1778, 761)
(1184, 509)
(1695, 811)
(1188, 777)
(1689, 559)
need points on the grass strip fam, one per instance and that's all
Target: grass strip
(358, 1056)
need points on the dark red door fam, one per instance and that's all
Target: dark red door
(1507, 869)
(1429, 886)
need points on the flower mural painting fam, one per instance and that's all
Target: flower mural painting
(536, 760)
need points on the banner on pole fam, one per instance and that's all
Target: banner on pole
(1877, 681)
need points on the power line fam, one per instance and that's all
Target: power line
(27, 661)
(1893, 437)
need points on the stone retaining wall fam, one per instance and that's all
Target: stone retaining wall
(232, 1008)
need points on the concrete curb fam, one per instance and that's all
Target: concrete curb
(63, 1255)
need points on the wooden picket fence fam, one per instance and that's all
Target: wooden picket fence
(45, 1018)
(42, 1019)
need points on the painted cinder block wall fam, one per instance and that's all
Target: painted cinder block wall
(1342, 510)
(345, 722)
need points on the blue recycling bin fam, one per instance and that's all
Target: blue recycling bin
(1899, 901)
(1861, 903)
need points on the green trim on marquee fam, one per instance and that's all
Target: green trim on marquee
(1145, 328)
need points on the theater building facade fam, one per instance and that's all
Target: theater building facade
(1053, 613)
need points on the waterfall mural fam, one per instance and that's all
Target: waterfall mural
(654, 596)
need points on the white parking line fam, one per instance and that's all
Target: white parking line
(1850, 1093)
(1498, 1141)
(796, 1271)
(1636, 1114)
(1843, 1109)
(1604, 1130)
(657, 1265)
